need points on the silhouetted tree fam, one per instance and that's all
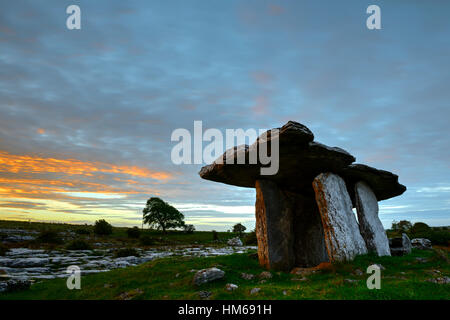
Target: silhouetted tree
(239, 229)
(158, 213)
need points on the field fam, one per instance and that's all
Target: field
(119, 235)
(415, 276)
(171, 278)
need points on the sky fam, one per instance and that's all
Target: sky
(86, 115)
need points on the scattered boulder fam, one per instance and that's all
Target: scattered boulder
(255, 291)
(265, 275)
(440, 280)
(235, 242)
(350, 280)
(247, 276)
(231, 287)
(342, 237)
(204, 294)
(208, 275)
(400, 246)
(128, 295)
(303, 271)
(371, 228)
(358, 272)
(421, 243)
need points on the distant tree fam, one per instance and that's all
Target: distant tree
(134, 233)
(102, 227)
(401, 226)
(158, 213)
(215, 235)
(188, 228)
(239, 229)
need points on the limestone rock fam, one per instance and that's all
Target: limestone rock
(255, 291)
(247, 276)
(370, 225)
(440, 280)
(421, 243)
(204, 294)
(234, 242)
(231, 287)
(208, 275)
(265, 275)
(342, 237)
(400, 246)
(273, 227)
(14, 285)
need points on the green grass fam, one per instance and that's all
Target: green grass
(170, 278)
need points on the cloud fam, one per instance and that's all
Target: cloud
(10, 163)
(90, 113)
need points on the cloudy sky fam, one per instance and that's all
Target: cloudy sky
(86, 115)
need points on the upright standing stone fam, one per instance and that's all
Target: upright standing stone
(369, 224)
(274, 227)
(400, 246)
(342, 237)
(309, 242)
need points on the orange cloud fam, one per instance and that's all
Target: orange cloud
(35, 164)
(40, 131)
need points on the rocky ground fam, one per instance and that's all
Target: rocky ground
(31, 265)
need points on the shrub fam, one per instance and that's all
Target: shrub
(78, 245)
(189, 228)
(419, 229)
(439, 237)
(102, 228)
(134, 233)
(49, 236)
(147, 240)
(83, 231)
(215, 235)
(126, 252)
(250, 239)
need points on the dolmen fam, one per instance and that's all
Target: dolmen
(304, 212)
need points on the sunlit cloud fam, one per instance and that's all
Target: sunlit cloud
(36, 164)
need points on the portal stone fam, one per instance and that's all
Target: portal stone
(371, 228)
(342, 237)
(274, 232)
(309, 243)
